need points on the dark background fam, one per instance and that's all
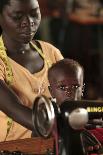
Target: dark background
(82, 42)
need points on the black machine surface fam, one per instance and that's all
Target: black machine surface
(72, 119)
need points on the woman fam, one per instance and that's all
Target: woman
(23, 66)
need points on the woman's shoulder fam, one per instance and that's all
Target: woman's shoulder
(47, 45)
(50, 49)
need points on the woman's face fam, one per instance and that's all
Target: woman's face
(20, 20)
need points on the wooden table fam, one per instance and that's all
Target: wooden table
(29, 145)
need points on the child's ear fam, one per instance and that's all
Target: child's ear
(51, 91)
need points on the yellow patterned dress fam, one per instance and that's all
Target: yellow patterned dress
(35, 84)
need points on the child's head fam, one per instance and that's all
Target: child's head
(66, 80)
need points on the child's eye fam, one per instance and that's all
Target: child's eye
(75, 87)
(62, 87)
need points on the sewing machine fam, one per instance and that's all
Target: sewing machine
(72, 117)
(71, 120)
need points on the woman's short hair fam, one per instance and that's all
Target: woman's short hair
(2, 4)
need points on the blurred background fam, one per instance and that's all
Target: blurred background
(76, 28)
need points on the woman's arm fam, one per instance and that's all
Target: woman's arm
(12, 106)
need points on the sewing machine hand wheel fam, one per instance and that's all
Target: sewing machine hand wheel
(43, 116)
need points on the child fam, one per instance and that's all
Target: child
(66, 80)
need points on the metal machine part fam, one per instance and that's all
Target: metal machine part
(43, 116)
(78, 118)
(76, 115)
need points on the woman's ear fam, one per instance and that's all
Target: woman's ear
(0, 24)
(0, 30)
(0, 21)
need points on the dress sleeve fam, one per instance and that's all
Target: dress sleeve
(52, 53)
(58, 55)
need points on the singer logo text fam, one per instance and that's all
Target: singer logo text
(95, 109)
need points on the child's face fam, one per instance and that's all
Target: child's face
(67, 86)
